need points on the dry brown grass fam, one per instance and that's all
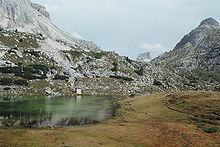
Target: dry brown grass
(141, 121)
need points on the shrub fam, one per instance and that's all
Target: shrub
(157, 83)
(140, 72)
(11, 51)
(210, 129)
(201, 125)
(123, 78)
(132, 95)
(27, 72)
(33, 52)
(21, 82)
(9, 69)
(128, 60)
(115, 68)
(7, 88)
(74, 53)
(60, 77)
(20, 40)
(96, 55)
(6, 81)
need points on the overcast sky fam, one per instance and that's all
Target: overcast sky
(130, 27)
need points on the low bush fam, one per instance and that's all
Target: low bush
(11, 51)
(157, 83)
(115, 68)
(6, 81)
(33, 52)
(60, 77)
(210, 129)
(74, 54)
(123, 78)
(140, 72)
(21, 82)
(10, 69)
(132, 95)
(128, 60)
(96, 55)
(7, 88)
(27, 72)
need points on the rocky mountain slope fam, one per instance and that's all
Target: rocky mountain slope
(26, 16)
(30, 65)
(197, 55)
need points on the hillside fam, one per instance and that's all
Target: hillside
(196, 56)
(32, 65)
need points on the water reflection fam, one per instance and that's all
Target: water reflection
(54, 111)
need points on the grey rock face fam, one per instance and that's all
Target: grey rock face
(41, 9)
(210, 22)
(204, 31)
(197, 53)
(145, 57)
(33, 18)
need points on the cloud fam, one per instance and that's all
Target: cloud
(155, 49)
(76, 35)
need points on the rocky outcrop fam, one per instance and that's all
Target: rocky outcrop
(144, 57)
(197, 54)
(41, 9)
(204, 31)
(33, 18)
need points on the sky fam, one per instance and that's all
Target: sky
(130, 27)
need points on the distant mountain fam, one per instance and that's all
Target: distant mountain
(197, 55)
(144, 57)
(26, 16)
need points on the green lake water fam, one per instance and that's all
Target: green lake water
(37, 112)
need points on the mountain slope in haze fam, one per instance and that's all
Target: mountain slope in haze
(26, 16)
(144, 57)
(197, 55)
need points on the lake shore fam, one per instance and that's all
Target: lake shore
(140, 121)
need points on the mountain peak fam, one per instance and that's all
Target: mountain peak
(26, 16)
(210, 22)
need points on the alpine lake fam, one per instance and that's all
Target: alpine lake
(41, 111)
